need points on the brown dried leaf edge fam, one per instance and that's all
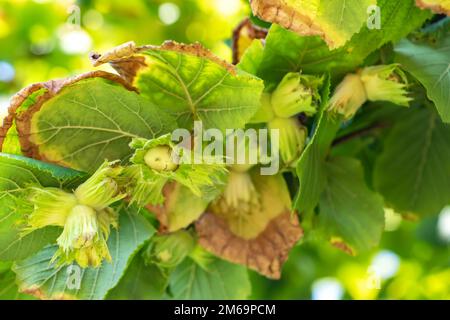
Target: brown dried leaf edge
(437, 8)
(127, 59)
(265, 254)
(124, 58)
(52, 88)
(277, 11)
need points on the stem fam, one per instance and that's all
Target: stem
(359, 133)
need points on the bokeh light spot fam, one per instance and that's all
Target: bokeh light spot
(169, 13)
(385, 264)
(327, 289)
(227, 7)
(443, 225)
(7, 72)
(74, 41)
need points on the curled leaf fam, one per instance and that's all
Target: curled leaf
(334, 21)
(243, 36)
(9, 136)
(122, 59)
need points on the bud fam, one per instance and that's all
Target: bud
(348, 96)
(292, 138)
(101, 189)
(385, 83)
(295, 94)
(160, 158)
(169, 250)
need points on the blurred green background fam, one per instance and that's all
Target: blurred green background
(42, 39)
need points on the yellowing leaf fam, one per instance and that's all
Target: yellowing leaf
(437, 6)
(258, 234)
(334, 21)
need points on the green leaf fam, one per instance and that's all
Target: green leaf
(431, 66)
(412, 173)
(35, 275)
(16, 247)
(351, 215)
(252, 58)
(90, 120)
(220, 281)
(17, 172)
(192, 86)
(311, 165)
(285, 51)
(342, 19)
(24, 170)
(140, 282)
(8, 287)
